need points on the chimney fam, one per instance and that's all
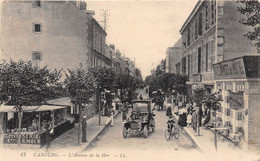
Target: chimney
(83, 5)
(112, 46)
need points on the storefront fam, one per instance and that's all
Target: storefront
(34, 120)
(239, 82)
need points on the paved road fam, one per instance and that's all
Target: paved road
(113, 143)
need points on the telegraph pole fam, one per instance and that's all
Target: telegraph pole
(105, 14)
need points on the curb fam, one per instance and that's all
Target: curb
(199, 147)
(97, 134)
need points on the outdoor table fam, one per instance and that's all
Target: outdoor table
(235, 139)
(220, 131)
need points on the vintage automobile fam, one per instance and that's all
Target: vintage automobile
(141, 119)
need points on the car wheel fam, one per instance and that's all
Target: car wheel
(153, 125)
(145, 131)
(124, 132)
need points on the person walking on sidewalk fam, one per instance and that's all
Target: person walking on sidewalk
(84, 129)
(124, 112)
(48, 135)
(110, 116)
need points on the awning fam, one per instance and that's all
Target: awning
(49, 108)
(65, 101)
(31, 108)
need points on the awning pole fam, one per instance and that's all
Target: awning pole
(39, 124)
(52, 118)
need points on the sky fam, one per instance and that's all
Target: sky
(143, 30)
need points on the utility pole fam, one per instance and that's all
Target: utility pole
(105, 14)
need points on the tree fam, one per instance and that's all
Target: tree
(104, 79)
(127, 85)
(251, 9)
(171, 82)
(22, 84)
(199, 95)
(81, 87)
(212, 101)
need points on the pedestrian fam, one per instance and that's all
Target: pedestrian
(84, 129)
(182, 117)
(141, 97)
(194, 120)
(110, 116)
(168, 111)
(124, 112)
(48, 135)
(189, 118)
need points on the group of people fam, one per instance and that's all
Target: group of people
(189, 113)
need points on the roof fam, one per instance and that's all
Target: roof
(193, 12)
(31, 108)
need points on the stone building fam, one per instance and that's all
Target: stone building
(173, 56)
(213, 37)
(211, 34)
(97, 45)
(57, 34)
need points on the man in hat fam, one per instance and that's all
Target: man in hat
(84, 129)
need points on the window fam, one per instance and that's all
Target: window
(213, 12)
(38, 3)
(188, 37)
(207, 18)
(207, 57)
(200, 24)
(227, 112)
(184, 65)
(199, 59)
(196, 29)
(36, 56)
(37, 27)
(177, 68)
(188, 64)
(191, 63)
(239, 115)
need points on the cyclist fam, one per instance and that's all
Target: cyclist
(170, 123)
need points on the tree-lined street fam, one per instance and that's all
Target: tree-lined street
(112, 139)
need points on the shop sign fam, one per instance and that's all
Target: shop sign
(25, 139)
(236, 100)
(232, 69)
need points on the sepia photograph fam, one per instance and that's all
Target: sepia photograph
(130, 80)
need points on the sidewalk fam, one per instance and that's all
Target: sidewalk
(205, 141)
(69, 140)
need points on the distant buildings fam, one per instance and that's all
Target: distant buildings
(173, 56)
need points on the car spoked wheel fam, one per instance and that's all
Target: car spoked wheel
(176, 133)
(125, 132)
(145, 131)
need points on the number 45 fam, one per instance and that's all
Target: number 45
(23, 154)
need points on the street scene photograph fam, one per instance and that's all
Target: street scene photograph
(127, 80)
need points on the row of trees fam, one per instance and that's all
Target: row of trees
(167, 82)
(23, 84)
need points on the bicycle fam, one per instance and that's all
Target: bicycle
(171, 132)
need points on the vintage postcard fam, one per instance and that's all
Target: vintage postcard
(130, 80)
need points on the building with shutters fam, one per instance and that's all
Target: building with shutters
(211, 34)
